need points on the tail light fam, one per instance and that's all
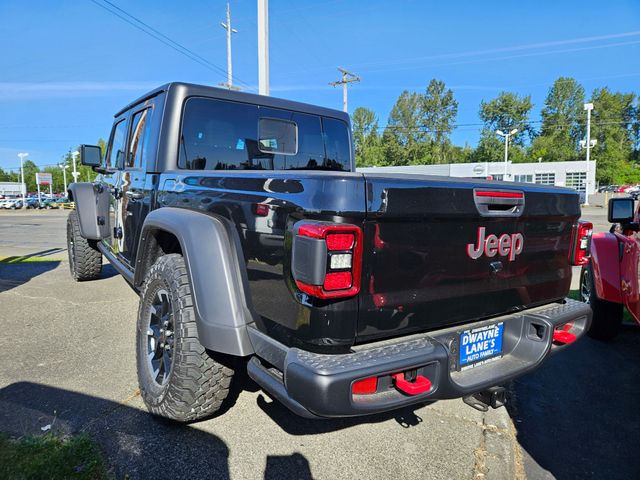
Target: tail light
(327, 259)
(580, 248)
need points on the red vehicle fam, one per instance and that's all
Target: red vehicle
(609, 280)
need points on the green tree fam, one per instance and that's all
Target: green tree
(30, 169)
(562, 122)
(4, 176)
(368, 147)
(438, 111)
(505, 112)
(404, 137)
(612, 125)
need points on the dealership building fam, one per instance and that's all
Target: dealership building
(563, 174)
(10, 189)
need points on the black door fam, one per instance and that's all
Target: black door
(134, 190)
(114, 162)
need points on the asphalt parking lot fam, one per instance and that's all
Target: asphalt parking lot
(68, 361)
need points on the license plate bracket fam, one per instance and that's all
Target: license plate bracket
(481, 345)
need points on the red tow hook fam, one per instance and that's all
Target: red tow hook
(421, 384)
(564, 337)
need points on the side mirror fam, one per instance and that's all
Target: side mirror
(621, 210)
(90, 155)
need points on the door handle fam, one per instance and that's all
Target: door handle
(134, 195)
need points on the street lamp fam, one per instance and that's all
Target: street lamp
(74, 155)
(64, 167)
(588, 145)
(506, 147)
(22, 186)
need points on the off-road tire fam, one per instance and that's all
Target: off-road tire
(85, 260)
(607, 316)
(198, 382)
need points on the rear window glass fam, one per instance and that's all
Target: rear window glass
(222, 135)
(277, 136)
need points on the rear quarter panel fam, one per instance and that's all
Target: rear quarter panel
(278, 307)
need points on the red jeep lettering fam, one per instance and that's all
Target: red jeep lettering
(507, 245)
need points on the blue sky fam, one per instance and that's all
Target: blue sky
(67, 66)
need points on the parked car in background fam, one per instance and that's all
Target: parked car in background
(609, 282)
(32, 203)
(11, 203)
(53, 202)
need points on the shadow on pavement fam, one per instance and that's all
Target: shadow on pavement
(577, 415)
(13, 275)
(295, 425)
(136, 444)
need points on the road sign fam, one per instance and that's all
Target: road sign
(43, 178)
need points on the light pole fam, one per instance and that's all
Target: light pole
(23, 187)
(506, 148)
(64, 167)
(588, 145)
(75, 174)
(263, 47)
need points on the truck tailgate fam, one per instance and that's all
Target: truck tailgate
(435, 257)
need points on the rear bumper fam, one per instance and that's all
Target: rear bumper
(318, 385)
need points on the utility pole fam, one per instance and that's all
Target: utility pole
(75, 173)
(263, 47)
(227, 27)
(347, 78)
(506, 149)
(23, 187)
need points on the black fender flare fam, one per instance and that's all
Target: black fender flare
(211, 250)
(92, 206)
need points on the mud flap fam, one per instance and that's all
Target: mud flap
(92, 206)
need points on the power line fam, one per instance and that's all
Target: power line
(424, 128)
(161, 37)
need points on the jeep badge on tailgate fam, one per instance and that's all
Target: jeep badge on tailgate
(506, 245)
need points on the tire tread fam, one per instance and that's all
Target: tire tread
(199, 383)
(87, 263)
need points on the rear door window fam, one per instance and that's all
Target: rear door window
(140, 128)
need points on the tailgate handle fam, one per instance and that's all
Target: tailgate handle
(499, 202)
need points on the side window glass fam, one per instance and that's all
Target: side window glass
(337, 145)
(140, 127)
(115, 157)
(220, 135)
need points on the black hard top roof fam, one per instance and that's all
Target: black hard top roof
(193, 90)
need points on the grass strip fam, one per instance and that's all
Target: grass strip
(52, 458)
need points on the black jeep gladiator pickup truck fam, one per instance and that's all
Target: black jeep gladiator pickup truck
(241, 222)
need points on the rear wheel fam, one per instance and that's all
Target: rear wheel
(85, 260)
(179, 379)
(607, 316)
